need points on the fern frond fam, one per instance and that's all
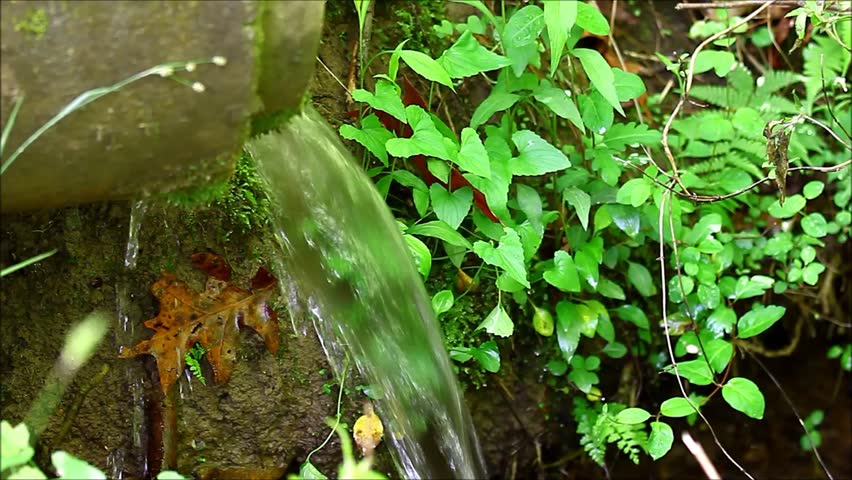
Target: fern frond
(741, 80)
(710, 165)
(725, 97)
(742, 161)
(774, 80)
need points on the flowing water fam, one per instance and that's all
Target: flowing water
(348, 260)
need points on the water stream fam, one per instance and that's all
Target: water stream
(345, 254)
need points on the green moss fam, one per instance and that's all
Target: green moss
(34, 23)
(245, 203)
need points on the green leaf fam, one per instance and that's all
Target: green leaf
(660, 441)
(632, 416)
(641, 279)
(814, 224)
(695, 371)
(596, 112)
(581, 201)
(426, 140)
(743, 395)
(536, 156)
(559, 16)
(752, 287)
(28, 472)
(587, 267)
(442, 301)
(472, 156)
(813, 189)
(568, 326)
(634, 192)
(718, 353)
(372, 135)
(309, 472)
(614, 350)
(440, 229)
(509, 255)
(748, 121)
(634, 315)
(426, 67)
(520, 36)
(529, 202)
(451, 207)
(722, 320)
(542, 322)
(497, 101)
(497, 323)
(808, 254)
(559, 102)
(677, 407)
(631, 134)
(792, 205)
(591, 19)
(15, 443)
(811, 273)
(600, 74)
(627, 85)
(719, 61)
(708, 225)
(563, 275)
(420, 253)
(625, 218)
(488, 355)
(759, 320)
(72, 468)
(386, 99)
(610, 289)
(467, 57)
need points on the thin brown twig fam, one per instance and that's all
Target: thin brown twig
(735, 4)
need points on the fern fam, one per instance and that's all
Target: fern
(720, 96)
(774, 80)
(598, 428)
(193, 362)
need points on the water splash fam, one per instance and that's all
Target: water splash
(125, 334)
(343, 250)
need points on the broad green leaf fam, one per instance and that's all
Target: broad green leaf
(610, 289)
(634, 315)
(536, 156)
(631, 134)
(421, 254)
(15, 442)
(440, 229)
(559, 16)
(442, 301)
(72, 468)
(563, 275)
(542, 322)
(814, 224)
(660, 441)
(605, 328)
(497, 323)
(813, 189)
(472, 156)
(496, 188)
(722, 320)
(28, 472)
(709, 295)
(581, 201)
(509, 255)
(467, 57)
(811, 273)
(596, 112)
(372, 135)
(591, 19)
(584, 379)
(677, 407)
(589, 320)
(708, 225)
(600, 74)
(520, 36)
(634, 192)
(530, 239)
(587, 267)
(808, 254)
(748, 121)
(641, 279)
(632, 416)
(386, 99)
(439, 169)
(743, 395)
(529, 202)
(488, 355)
(752, 287)
(497, 101)
(426, 140)
(719, 61)
(695, 371)
(627, 85)
(718, 353)
(615, 350)
(309, 472)
(559, 101)
(451, 207)
(426, 67)
(568, 326)
(408, 179)
(626, 218)
(759, 320)
(792, 205)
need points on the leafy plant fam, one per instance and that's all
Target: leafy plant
(193, 361)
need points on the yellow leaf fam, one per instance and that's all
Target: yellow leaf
(368, 430)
